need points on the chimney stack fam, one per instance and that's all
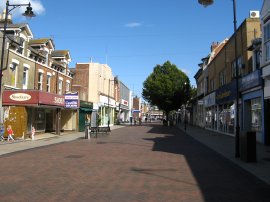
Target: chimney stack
(214, 45)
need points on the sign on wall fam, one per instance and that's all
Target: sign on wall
(71, 100)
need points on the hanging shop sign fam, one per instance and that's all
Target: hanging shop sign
(72, 100)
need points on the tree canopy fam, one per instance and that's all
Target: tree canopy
(167, 87)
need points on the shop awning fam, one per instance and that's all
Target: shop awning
(86, 109)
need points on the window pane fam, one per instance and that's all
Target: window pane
(256, 114)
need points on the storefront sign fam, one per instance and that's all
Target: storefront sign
(210, 100)
(105, 100)
(124, 102)
(226, 93)
(251, 80)
(71, 100)
(30, 97)
(20, 97)
(51, 99)
(200, 102)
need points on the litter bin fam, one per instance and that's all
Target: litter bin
(248, 146)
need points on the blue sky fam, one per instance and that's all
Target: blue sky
(133, 36)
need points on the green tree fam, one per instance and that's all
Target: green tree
(167, 87)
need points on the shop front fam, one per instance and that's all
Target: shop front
(210, 108)
(85, 112)
(124, 111)
(225, 108)
(266, 103)
(106, 111)
(252, 96)
(26, 108)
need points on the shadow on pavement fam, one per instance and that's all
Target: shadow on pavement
(218, 178)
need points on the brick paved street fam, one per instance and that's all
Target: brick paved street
(138, 163)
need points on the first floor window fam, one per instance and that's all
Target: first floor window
(267, 51)
(60, 85)
(13, 68)
(40, 78)
(67, 86)
(222, 78)
(239, 62)
(25, 77)
(48, 83)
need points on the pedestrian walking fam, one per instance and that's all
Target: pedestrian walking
(2, 131)
(10, 133)
(33, 131)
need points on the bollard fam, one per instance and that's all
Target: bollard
(86, 135)
(89, 134)
(33, 131)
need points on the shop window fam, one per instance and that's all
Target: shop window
(40, 120)
(256, 114)
(226, 118)
(209, 120)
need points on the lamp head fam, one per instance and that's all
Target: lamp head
(29, 13)
(206, 3)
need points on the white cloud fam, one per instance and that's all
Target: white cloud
(37, 6)
(133, 24)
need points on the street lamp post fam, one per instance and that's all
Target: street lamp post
(28, 13)
(185, 119)
(237, 127)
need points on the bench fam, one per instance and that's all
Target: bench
(99, 130)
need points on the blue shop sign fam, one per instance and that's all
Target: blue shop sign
(251, 80)
(72, 100)
(226, 93)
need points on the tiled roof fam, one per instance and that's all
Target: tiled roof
(39, 41)
(60, 53)
(19, 25)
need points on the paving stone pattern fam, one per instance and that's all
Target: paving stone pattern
(134, 163)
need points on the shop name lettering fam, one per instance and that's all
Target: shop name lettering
(71, 103)
(223, 95)
(20, 97)
(59, 100)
